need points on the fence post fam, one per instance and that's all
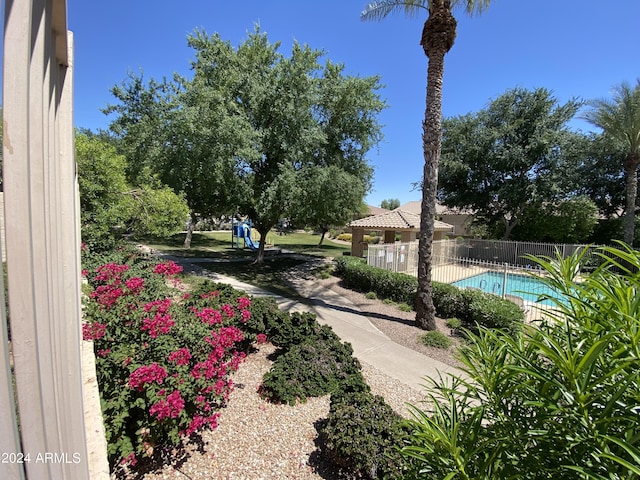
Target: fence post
(504, 281)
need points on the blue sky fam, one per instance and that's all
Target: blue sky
(575, 48)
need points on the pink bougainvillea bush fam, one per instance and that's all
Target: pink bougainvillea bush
(163, 356)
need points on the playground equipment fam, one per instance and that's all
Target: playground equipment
(242, 230)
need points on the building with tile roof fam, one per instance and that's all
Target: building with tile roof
(389, 223)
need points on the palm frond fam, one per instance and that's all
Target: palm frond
(381, 9)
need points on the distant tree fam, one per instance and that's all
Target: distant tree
(328, 196)
(619, 118)
(110, 206)
(390, 203)
(438, 36)
(503, 161)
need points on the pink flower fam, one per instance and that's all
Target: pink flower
(208, 315)
(180, 357)
(110, 271)
(93, 331)
(261, 338)
(244, 303)
(146, 374)
(135, 285)
(104, 353)
(161, 306)
(84, 272)
(158, 325)
(129, 460)
(212, 294)
(167, 268)
(245, 315)
(107, 295)
(169, 407)
(228, 310)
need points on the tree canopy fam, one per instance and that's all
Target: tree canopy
(255, 132)
(508, 158)
(390, 203)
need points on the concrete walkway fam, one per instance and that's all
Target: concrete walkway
(370, 345)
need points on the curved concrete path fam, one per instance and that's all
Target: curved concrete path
(369, 344)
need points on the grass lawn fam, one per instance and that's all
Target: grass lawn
(218, 245)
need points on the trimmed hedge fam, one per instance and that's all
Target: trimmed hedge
(472, 307)
(362, 434)
(319, 365)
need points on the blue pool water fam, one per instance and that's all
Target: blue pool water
(524, 286)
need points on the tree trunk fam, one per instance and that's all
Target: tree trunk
(324, 231)
(260, 254)
(187, 238)
(631, 178)
(438, 36)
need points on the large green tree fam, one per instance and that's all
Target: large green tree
(619, 118)
(438, 36)
(302, 117)
(505, 160)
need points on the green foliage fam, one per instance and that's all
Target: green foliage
(318, 365)
(345, 237)
(388, 285)
(390, 203)
(559, 401)
(436, 339)
(405, 307)
(256, 132)
(362, 434)
(569, 221)
(507, 157)
(110, 206)
(454, 323)
(473, 308)
(371, 295)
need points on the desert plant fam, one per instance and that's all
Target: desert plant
(435, 339)
(558, 401)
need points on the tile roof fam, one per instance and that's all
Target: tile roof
(396, 220)
(416, 205)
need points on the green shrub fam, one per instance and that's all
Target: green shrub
(345, 237)
(362, 435)
(292, 329)
(371, 295)
(447, 299)
(405, 307)
(318, 366)
(359, 276)
(454, 323)
(561, 401)
(436, 339)
(490, 311)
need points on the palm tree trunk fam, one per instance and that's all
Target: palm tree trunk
(431, 127)
(631, 177)
(437, 38)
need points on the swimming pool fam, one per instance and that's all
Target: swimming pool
(529, 288)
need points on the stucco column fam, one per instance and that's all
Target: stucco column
(357, 237)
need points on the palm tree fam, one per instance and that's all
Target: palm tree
(619, 118)
(438, 36)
